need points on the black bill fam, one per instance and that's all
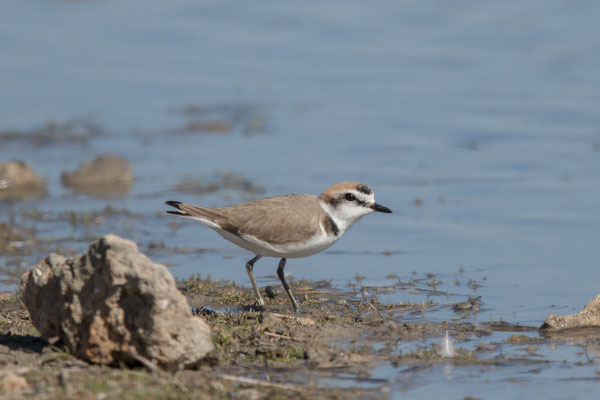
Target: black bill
(380, 208)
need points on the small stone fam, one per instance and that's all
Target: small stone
(270, 292)
(305, 321)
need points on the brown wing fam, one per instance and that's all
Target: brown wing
(278, 220)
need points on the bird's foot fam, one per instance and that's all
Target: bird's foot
(254, 308)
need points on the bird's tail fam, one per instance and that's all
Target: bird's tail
(203, 214)
(176, 205)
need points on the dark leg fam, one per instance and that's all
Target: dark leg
(285, 285)
(249, 267)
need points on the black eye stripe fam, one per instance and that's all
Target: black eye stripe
(351, 197)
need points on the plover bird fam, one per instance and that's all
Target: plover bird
(289, 226)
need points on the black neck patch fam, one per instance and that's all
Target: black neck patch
(330, 226)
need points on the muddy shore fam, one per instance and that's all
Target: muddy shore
(337, 338)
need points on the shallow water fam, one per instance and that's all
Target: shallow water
(476, 122)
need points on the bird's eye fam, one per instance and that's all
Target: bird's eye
(349, 197)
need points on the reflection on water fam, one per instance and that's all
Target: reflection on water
(477, 121)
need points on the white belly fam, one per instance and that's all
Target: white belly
(314, 245)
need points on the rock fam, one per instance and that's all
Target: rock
(519, 339)
(106, 176)
(270, 292)
(112, 305)
(470, 305)
(482, 347)
(586, 318)
(11, 382)
(17, 180)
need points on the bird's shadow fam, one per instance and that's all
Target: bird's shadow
(26, 343)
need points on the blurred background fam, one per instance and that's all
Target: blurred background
(476, 121)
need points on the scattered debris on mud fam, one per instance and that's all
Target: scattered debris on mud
(106, 176)
(338, 337)
(334, 329)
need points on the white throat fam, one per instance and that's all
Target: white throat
(343, 222)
